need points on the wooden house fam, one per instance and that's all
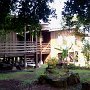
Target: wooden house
(38, 49)
(30, 52)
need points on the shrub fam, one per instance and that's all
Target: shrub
(52, 62)
(42, 79)
(71, 66)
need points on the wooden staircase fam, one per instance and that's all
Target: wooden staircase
(30, 60)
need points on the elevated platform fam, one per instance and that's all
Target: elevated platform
(21, 48)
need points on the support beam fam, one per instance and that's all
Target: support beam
(41, 62)
(36, 53)
(25, 46)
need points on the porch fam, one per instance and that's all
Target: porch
(21, 47)
(23, 52)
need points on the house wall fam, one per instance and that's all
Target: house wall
(57, 38)
(66, 38)
(45, 39)
(79, 45)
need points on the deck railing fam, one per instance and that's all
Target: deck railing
(44, 47)
(23, 47)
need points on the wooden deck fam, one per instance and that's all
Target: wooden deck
(21, 48)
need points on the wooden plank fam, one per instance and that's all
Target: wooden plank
(18, 47)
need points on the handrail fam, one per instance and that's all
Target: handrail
(19, 47)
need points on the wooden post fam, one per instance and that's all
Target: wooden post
(25, 46)
(36, 52)
(41, 62)
(32, 38)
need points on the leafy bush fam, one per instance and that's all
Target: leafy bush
(52, 62)
(86, 50)
(71, 66)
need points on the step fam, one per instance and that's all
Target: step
(29, 54)
(31, 64)
(30, 60)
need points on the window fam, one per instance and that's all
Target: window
(76, 56)
(71, 56)
(60, 56)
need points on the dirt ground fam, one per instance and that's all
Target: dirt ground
(17, 85)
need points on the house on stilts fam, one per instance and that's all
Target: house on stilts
(38, 49)
(30, 52)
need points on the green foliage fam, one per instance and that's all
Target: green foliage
(5, 11)
(84, 74)
(12, 75)
(64, 51)
(31, 11)
(28, 76)
(79, 7)
(16, 14)
(52, 62)
(57, 73)
(71, 66)
(86, 50)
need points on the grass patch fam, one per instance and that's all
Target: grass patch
(12, 75)
(25, 76)
(84, 74)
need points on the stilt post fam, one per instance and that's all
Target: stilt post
(25, 46)
(36, 52)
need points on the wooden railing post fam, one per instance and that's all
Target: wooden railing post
(36, 53)
(41, 62)
(25, 46)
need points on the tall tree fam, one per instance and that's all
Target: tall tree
(18, 13)
(79, 7)
(5, 9)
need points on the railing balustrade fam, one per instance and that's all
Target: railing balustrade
(23, 47)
